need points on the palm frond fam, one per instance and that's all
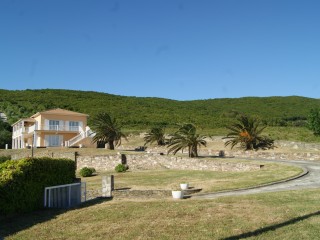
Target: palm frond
(246, 133)
(107, 129)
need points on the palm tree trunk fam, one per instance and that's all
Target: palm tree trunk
(110, 145)
(160, 142)
(195, 151)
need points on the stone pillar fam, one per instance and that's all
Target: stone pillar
(107, 186)
(123, 159)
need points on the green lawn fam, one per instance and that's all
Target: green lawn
(283, 215)
(209, 181)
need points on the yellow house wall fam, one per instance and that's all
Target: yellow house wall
(66, 136)
(41, 119)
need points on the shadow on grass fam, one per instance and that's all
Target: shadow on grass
(272, 227)
(15, 223)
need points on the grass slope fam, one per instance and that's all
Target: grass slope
(283, 215)
(208, 181)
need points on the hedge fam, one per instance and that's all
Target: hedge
(4, 158)
(22, 182)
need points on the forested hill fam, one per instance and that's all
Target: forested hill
(141, 113)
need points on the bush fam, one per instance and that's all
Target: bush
(92, 169)
(314, 121)
(121, 168)
(22, 182)
(4, 158)
(86, 172)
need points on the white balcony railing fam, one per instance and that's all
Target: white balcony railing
(60, 128)
(17, 132)
(31, 129)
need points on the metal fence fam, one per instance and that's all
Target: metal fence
(65, 196)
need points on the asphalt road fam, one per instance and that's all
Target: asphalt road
(308, 180)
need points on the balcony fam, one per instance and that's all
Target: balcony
(31, 129)
(61, 128)
(18, 132)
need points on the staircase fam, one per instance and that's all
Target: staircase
(82, 135)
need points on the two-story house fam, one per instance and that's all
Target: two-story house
(52, 128)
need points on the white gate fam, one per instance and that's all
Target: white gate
(65, 196)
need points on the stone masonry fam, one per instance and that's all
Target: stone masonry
(149, 161)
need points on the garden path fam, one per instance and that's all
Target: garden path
(307, 180)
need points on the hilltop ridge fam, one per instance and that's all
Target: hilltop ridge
(143, 112)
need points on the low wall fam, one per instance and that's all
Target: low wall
(298, 145)
(156, 161)
(44, 153)
(274, 155)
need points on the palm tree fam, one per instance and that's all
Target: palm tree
(186, 137)
(107, 130)
(246, 132)
(156, 134)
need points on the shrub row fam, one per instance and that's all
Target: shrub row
(22, 182)
(4, 158)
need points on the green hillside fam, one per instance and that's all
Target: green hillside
(141, 113)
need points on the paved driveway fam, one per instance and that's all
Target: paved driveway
(311, 179)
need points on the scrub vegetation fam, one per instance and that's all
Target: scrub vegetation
(143, 113)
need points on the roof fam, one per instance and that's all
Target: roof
(25, 120)
(59, 111)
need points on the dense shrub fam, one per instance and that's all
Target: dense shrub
(22, 182)
(206, 114)
(4, 158)
(86, 172)
(92, 169)
(314, 121)
(121, 168)
(5, 134)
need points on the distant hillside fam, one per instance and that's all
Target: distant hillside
(141, 113)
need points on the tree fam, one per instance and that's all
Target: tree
(107, 130)
(246, 132)
(186, 137)
(156, 134)
(314, 121)
(5, 134)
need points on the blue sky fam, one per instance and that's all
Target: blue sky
(184, 50)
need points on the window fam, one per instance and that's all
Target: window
(53, 125)
(53, 140)
(74, 126)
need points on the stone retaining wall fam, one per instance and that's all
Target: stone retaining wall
(129, 193)
(47, 153)
(153, 160)
(156, 161)
(274, 155)
(298, 145)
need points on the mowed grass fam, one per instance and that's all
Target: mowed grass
(208, 181)
(166, 218)
(282, 215)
